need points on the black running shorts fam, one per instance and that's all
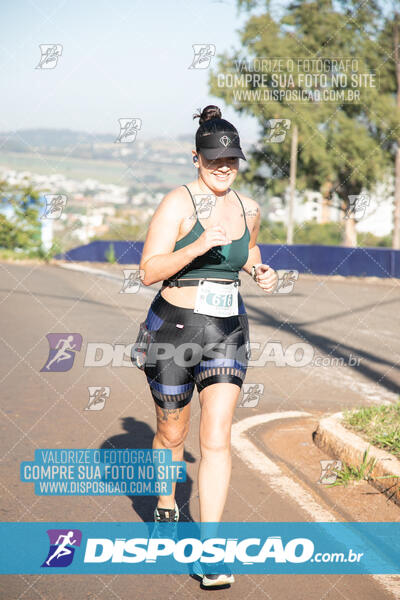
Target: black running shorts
(189, 348)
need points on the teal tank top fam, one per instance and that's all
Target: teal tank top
(223, 261)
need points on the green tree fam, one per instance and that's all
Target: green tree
(388, 55)
(327, 234)
(341, 148)
(124, 232)
(272, 233)
(21, 228)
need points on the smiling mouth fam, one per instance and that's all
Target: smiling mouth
(220, 176)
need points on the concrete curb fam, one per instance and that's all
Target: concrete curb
(348, 447)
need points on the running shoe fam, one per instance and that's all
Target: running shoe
(162, 516)
(212, 579)
(166, 515)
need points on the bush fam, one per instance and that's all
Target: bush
(310, 232)
(371, 240)
(271, 233)
(110, 254)
(328, 234)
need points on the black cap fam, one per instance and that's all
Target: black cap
(222, 140)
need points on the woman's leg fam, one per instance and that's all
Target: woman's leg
(172, 429)
(218, 402)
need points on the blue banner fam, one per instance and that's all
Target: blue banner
(155, 548)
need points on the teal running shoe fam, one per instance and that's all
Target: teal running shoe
(205, 570)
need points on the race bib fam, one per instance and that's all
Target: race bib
(217, 299)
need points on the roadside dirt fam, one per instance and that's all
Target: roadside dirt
(291, 446)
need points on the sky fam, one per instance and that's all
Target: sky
(120, 59)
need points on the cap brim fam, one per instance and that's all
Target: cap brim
(213, 153)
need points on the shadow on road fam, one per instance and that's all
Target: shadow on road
(331, 346)
(138, 435)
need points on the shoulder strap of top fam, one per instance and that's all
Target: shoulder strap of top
(184, 185)
(244, 213)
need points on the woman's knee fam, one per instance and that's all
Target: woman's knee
(215, 431)
(172, 425)
(215, 441)
(172, 436)
(171, 439)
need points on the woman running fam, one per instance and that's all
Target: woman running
(199, 306)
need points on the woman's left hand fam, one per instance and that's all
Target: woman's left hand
(266, 278)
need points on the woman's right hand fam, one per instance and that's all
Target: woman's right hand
(212, 236)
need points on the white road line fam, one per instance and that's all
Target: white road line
(145, 291)
(86, 269)
(257, 460)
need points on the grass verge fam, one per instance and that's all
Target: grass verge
(379, 425)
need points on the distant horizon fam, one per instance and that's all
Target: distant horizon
(183, 137)
(143, 135)
(99, 133)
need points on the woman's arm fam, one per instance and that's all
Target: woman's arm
(254, 251)
(266, 276)
(159, 261)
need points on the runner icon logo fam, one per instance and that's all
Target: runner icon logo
(50, 53)
(62, 351)
(329, 471)
(62, 550)
(97, 397)
(251, 394)
(203, 54)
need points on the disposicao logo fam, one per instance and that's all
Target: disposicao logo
(136, 550)
(62, 550)
(62, 351)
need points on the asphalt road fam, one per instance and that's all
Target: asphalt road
(329, 318)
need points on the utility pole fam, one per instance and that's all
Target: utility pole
(293, 169)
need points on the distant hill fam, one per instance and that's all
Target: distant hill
(88, 145)
(159, 162)
(80, 144)
(49, 138)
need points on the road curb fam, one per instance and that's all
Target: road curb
(334, 439)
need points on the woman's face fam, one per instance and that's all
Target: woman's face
(217, 174)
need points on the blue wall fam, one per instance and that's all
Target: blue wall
(321, 260)
(333, 260)
(125, 252)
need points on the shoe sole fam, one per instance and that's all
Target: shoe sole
(222, 580)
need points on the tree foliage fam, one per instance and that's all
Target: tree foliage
(20, 226)
(343, 147)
